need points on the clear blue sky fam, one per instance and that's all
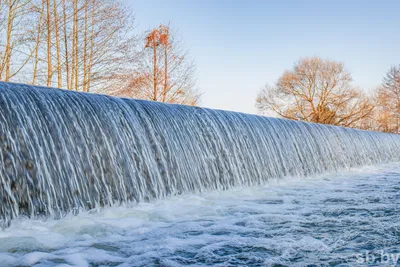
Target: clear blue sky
(239, 46)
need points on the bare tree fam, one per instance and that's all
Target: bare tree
(15, 49)
(75, 47)
(58, 43)
(166, 44)
(388, 102)
(40, 10)
(383, 114)
(392, 85)
(110, 44)
(316, 90)
(165, 71)
(49, 44)
(66, 44)
(85, 48)
(153, 42)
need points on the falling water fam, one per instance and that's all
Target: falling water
(62, 151)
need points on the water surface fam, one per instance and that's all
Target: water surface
(334, 219)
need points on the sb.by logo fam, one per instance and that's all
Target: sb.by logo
(385, 258)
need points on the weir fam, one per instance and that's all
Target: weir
(62, 151)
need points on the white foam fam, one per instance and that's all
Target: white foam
(275, 223)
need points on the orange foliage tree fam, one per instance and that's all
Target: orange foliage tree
(316, 90)
(165, 71)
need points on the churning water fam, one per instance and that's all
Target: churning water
(144, 183)
(330, 219)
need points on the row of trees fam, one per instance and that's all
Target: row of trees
(91, 45)
(320, 90)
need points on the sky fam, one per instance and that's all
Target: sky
(239, 46)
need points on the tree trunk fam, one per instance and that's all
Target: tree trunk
(67, 66)
(92, 43)
(85, 48)
(49, 55)
(76, 48)
(165, 73)
(155, 71)
(39, 34)
(58, 46)
(10, 26)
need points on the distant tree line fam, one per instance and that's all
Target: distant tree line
(91, 46)
(321, 91)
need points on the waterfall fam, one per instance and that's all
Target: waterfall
(62, 151)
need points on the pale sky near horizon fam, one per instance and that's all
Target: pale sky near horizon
(239, 46)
